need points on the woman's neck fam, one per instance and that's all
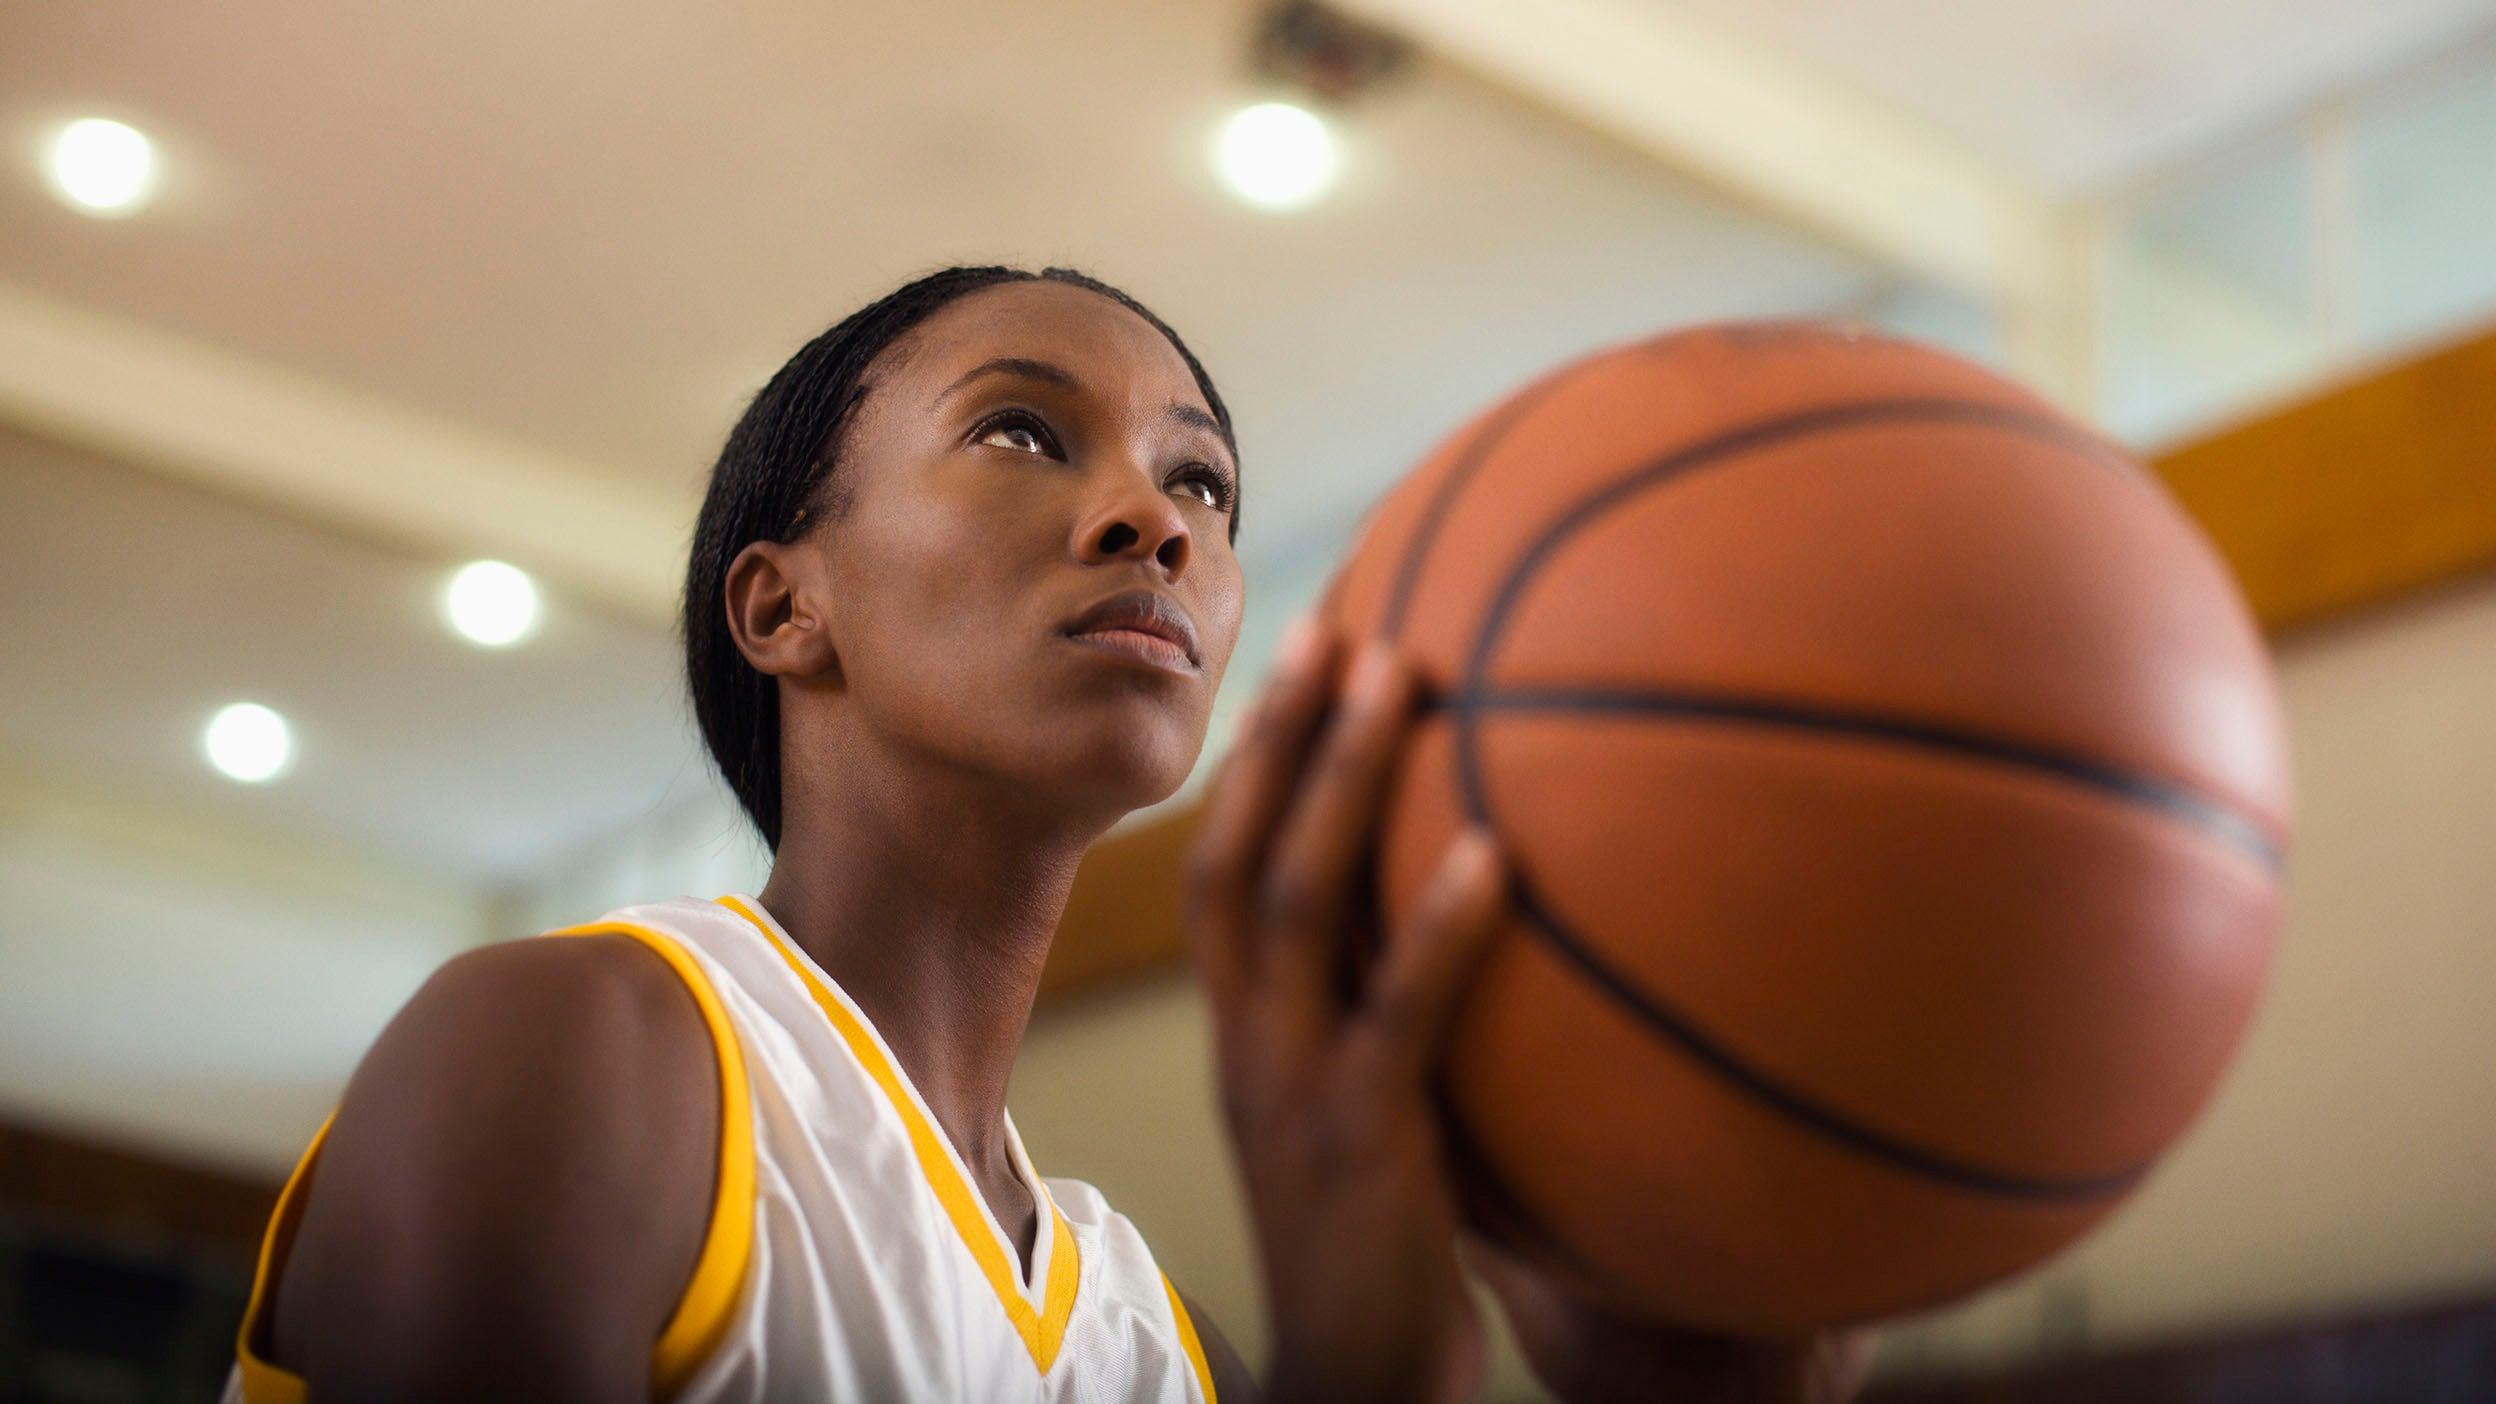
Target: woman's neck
(932, 899)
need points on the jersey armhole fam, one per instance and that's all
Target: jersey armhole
(262, 1382)
(700, 1321)
(701, 1318)
(1187, 1340)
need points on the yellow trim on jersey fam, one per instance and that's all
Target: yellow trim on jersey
(262, 1382)
(1041, 1331)
(1187, 1339)
(702, 1314)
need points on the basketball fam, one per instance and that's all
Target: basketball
(1894, 794)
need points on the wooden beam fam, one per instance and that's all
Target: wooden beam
(72, 1188)
(2352, 496)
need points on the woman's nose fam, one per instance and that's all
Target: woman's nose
(1135, 521)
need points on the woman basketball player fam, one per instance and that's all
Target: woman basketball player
(960, 596)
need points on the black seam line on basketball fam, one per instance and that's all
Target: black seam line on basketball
(1442, 502)
(1834, 1125)
(2211, 816)
(1837, 1127)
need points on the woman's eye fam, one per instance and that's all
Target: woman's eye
(1022, 438)
(1207, 489)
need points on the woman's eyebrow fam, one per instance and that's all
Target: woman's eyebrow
(1196, 418)
(1021, 366)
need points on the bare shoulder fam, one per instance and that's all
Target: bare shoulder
(1233, 1383)
(516, 1185)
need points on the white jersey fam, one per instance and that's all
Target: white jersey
(848, 1255)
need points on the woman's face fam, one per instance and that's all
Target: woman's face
(1034, 490)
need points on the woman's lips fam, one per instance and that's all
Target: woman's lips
(1139, 624)
(1135, 644)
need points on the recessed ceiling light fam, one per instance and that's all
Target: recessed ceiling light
(1276, 155)
(491, 603)
(248, 742)
(101, 167)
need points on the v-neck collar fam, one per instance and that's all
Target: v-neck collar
(1038, 1301)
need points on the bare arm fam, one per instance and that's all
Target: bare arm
(515, 1188)
(1232, 1382)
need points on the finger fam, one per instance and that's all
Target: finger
(1486, 1257)
(1432, 960)
(1246, 800)
(1529, 1298)
(1839, 1362)
(1303, 896)
(1489, 1264)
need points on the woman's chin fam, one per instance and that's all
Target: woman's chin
(1128, 771)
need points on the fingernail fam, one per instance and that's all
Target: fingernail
(1373, 675)
(1299, 646)
(1476, 850)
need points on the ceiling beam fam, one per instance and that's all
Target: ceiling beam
(253, 431)
(1781, 135)
(1753, 121)
(158, 836)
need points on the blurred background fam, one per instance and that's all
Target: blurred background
(306, 310)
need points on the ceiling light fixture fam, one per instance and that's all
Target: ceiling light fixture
(491, 603)
(101, 167)
(248, 742)
(1277, 155)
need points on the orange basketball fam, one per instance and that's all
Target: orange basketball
(1895, 795)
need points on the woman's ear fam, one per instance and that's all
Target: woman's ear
(775, 611)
